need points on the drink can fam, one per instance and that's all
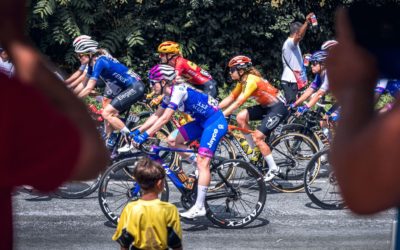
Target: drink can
(306, 60)
(313, 20)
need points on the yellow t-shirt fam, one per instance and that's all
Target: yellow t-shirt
(149, 225)
(258, 88)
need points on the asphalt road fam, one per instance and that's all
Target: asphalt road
(289, 221)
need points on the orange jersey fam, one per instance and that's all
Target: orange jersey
(191, 72)
(258, 88)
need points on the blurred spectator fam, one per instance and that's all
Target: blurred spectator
(366, 146)
(48, 136)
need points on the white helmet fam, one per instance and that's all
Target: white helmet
(86, 46)
(328, 44)
(80, 38)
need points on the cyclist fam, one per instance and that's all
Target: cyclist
(124, 87)
(319, 86)
(169, 53)
(209, 125)
(271, 109)
(81, 45)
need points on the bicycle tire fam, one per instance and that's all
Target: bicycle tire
(232, 206)
(320, 182)
(301, 129)
(116, 186)
(291, 161)
(78, 189)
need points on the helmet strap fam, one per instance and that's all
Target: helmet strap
(171, 58)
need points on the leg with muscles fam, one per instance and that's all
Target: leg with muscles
(110, 114)
(242, 119)
(215, 128)
(259, 138)
(273, 117)
(188, 132)
(177, 140)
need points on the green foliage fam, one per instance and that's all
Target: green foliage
(210, 31)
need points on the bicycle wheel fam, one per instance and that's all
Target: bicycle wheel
(320, 182)
(224, 151)
(301, 129)
(291, 153)
(78, 189)
(240, 200)
(117, 186)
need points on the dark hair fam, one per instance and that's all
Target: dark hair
(147, 173)
(295, 27)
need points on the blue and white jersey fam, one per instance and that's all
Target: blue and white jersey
(112, 72)
(392, 86)
(7, 68)
(320, 82)
(194, 103)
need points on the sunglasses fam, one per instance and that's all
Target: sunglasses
(232, 70)
(80, 55)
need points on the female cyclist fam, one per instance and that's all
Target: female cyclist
(320, 85)
(271, 109)
(123, 86)
(80, 44)
(209, 125)
(170, 54)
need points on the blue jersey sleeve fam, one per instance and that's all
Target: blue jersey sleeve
(99, 66)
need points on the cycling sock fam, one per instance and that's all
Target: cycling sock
(270, 161)
(249, 139)
(125, 130)
(201, 196)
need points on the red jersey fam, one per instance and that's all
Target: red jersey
(191, 72)
(39, 147)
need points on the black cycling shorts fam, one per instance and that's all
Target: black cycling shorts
(128, 97)
(209, 88)
(270, 116)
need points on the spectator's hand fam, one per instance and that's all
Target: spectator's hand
(350, 67)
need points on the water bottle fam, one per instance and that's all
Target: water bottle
(306, 60)
(245, 146)
(190, 181)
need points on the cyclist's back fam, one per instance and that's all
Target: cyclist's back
(187, 100)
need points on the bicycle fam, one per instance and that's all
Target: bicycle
(321, 184)
(291, 152)
(320, 180)
(237, 203)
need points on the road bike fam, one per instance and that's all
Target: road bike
(235, 204)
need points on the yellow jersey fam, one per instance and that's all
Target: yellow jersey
(149, 225)
(256, 87)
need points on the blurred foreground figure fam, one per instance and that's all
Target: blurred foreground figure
(47, 136)
(366, 147)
